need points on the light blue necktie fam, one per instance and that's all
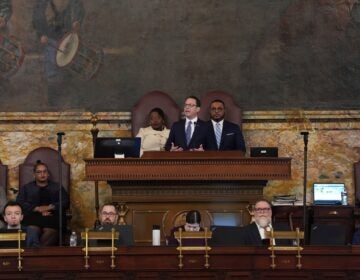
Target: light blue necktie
(218, 134)
(188, 133)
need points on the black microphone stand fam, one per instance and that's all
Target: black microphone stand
(305, 135)
(59, 141)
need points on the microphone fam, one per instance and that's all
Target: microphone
(305, 134)
(59, 137)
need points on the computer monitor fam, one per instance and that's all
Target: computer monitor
(328, 193)
(117, 147)
(264, 152)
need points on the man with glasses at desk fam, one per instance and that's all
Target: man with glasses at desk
(108, 217)
(185, 135)
(254, 233)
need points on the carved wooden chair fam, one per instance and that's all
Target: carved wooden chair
(3, 190)
(50, 157)
(357, 183)
(150, 100)
(179, 219)
(233, 111)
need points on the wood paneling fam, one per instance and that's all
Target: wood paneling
(157, 188)
(140, 262)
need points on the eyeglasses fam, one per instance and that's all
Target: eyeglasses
(262, 209)
(189, 105)
(111, 214)
(214, 109)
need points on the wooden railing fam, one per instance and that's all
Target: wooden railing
(162, 263)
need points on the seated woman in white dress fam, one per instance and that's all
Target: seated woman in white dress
(153, 137)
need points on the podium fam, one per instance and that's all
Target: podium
(154, 189)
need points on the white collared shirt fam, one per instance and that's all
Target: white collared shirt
(220, 122)
(262, 230)
(16, 227)
(194, 121)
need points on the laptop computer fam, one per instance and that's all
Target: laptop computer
(126, 236)
(113, 147)
(264, 151)
(328, 193)
(226, 236)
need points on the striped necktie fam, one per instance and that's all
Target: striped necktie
(188, 133)
(218, 134)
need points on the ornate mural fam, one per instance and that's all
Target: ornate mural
(104, 55)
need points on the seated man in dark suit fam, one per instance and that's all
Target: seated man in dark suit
(108, 217)
(254, 233)
(13, 216)
(219, 134)
(185, 134)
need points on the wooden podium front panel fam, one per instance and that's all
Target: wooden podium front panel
(144, 215)
(210, 166)
(157, 187)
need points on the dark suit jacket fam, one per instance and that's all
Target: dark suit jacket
(178, 137)
(251, 236)
(231, 138)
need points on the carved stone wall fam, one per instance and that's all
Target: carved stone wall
(333, 148)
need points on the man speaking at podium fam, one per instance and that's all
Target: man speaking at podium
(185, 135)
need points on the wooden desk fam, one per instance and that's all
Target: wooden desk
(325, 217)
(160, 186)
(162, 263)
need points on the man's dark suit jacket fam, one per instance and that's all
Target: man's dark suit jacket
(232, 138)
(251, 236)
(178, 137)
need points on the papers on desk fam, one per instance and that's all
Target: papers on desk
(286, 200)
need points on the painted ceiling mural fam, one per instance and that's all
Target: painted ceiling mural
(103, 55)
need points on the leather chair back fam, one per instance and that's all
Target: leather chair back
(357, 183)
(150, 100)
(233, 111)
(3, 176)
(50, 157)
(179, 218)
(3, 190)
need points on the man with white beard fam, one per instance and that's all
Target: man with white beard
(254, 233)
